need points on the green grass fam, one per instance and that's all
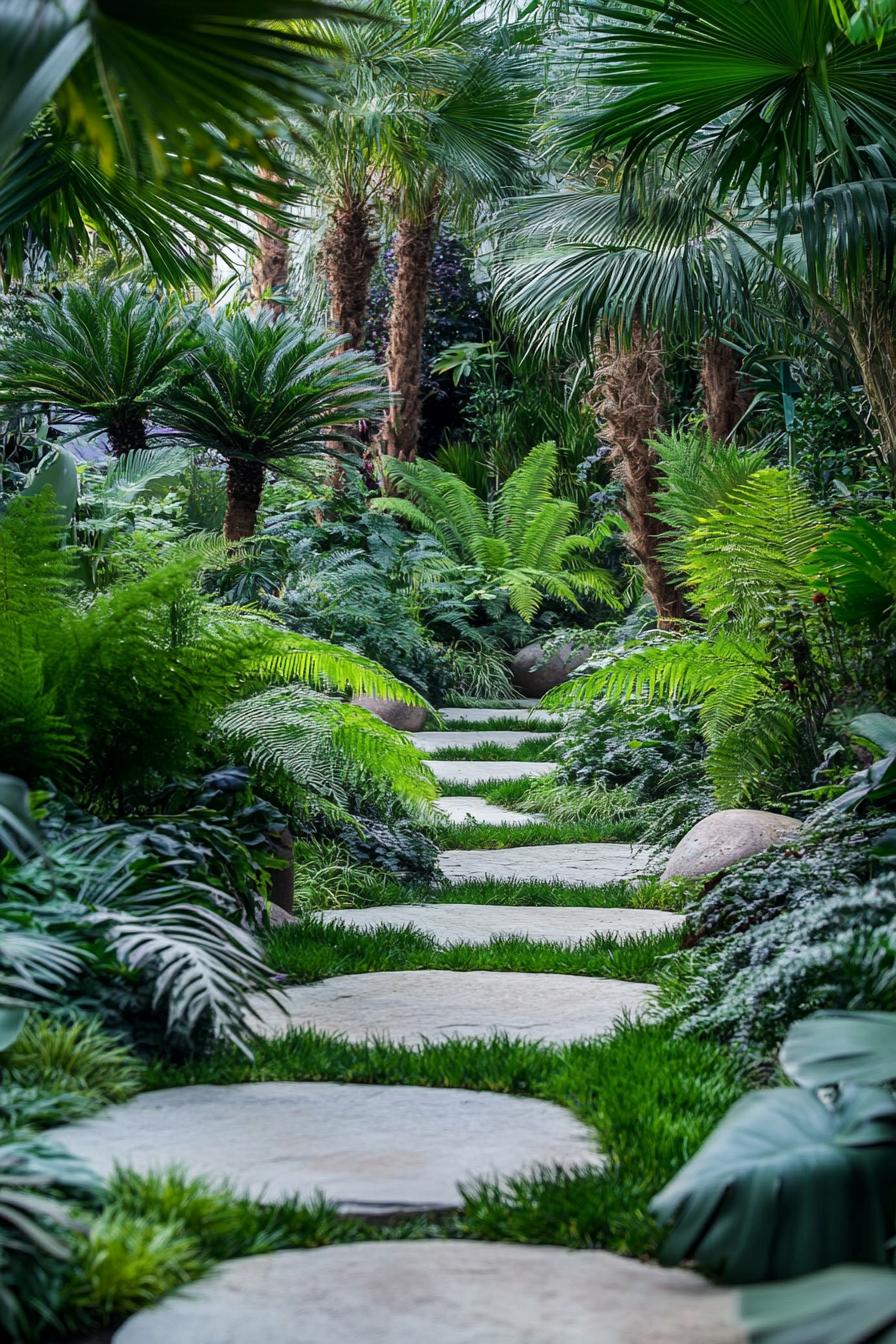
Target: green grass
(311, 950)
(492, 835)
(506, 793)
(650, 1098)
(492, 751)
(645, 894)
(498, 724)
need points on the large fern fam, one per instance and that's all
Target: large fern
(522, 541)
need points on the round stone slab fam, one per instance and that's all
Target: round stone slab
(488, 772)
(374, 1151)
(452, 924)
(471, 808)
(443, 1292)
(567, 864)
(410, 1007)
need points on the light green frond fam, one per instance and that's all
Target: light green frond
(525, 492)
(538, 542)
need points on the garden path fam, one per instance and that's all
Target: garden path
(380, 1151)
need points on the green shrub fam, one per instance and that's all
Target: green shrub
(57, 1056)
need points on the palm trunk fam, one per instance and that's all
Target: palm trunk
(872, 332)
(349, 256)
(245, 482)
(633, 394)
(414, 244)
(723, 401)
(270, 269)
(126, 435)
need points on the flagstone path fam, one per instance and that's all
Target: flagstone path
(381, 1151)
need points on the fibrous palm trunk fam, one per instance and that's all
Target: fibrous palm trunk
(414, 244)
(723, 399)
(126, 435)
(349, 256)
(270, 269)
(872, 332)
(245, 482)
(632, 394)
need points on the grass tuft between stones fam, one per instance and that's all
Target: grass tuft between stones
(495, 751)
(494, 835)
(311, 950)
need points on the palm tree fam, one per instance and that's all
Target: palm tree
(460, 139)
(264, 393)
(522, 541)
(104, 104)
(780, 101)
(109, 353)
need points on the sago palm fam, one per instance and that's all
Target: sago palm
(522, 541)
(108, 353)
(264, 393)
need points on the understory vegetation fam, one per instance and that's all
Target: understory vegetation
(532, 360)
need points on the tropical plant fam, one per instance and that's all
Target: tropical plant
(521, 542)
(849, 1304)
(875, 786)
(778, 101)
(112, 697)
(100, 358)
(114, 124)
(265, 393)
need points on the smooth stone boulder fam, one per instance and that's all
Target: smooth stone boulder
(471, 808)
(532, 716)
(413, 1007)
(373, 1151)
(452, 924)
(489, 772)
(569, 865)
(406, 718)
(723, 838)
(443, 1292)
(534, 675)
(498, 738)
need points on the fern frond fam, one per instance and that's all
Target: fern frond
(856, 567)
(525, 493)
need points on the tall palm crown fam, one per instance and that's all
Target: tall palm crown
(105, 101)
(109, 353)
(263, 392)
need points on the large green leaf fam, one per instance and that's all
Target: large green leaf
(879, 729)
(786, 1185)
(834, 1047)
(850, 1304)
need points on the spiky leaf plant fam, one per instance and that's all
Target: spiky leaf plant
(101, 357)
(522, 541)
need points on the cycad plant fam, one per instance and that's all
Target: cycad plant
(264, 393)
(101, 358)
(522, 541)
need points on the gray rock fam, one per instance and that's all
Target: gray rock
(723, 838)
(569, 865)
(451, 924)
(534, 675)
(488, 772)
(412, 1007)
(374, 1151)
(443, 1292)
(407, 718)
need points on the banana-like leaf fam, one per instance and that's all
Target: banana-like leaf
(850, 1304)
(834, 1047)
(58, 472)
(786, 1185)
(879, 729)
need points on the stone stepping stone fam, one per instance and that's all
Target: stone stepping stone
(568, 865)
(412, 1007)
(373, 1151)
(453, 924)
(489, 772)
(496, 738)
(471, 808)
(523, 716)
(443, 1292)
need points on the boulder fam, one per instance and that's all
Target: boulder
(724, 838)
(533, 675)
(406, 718)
